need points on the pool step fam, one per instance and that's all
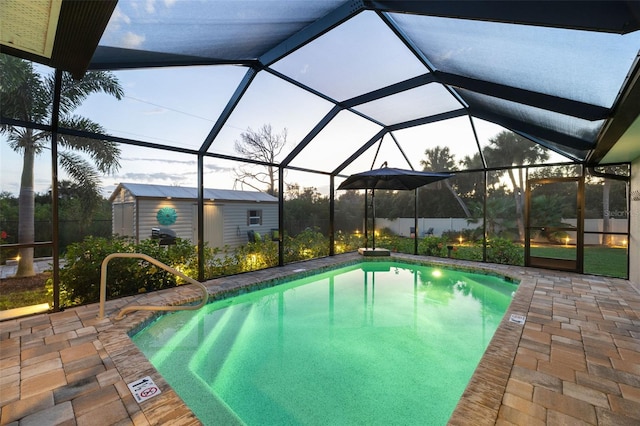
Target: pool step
(211, 355)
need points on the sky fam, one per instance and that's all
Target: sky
(179, 106)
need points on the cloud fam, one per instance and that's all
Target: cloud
(132, 40)
(160, 160)
(148, 177)
(216, 168)
(150, 6)
(119, 17)
(118, 20)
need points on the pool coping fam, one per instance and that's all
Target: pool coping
(497, 390)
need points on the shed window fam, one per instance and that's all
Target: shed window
(254, 217)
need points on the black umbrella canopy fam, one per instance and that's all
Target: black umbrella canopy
(391, 178)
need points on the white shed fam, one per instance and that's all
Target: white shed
(229, 215)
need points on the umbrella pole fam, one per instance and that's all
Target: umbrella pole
(366, 220)
(373, 221)
(415, 221)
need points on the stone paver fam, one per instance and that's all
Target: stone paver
(584, 369)
(576, 360)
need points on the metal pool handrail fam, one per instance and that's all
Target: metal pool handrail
(123, 311)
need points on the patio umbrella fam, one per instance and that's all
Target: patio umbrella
(391, 179)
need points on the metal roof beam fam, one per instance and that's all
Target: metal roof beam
(536, 99)
(26, 124)
(519, 126)
(417, 52)
(551, 147)
(312, 134)
(313, 31)
(300, 85)
(320, 94)
(527, 97)
(115, 58)
(360, 151)
(610, 16)
(411, 83)
(426, 120)
(101, 137)
(475, 136)
(231, 105)
(401, 150)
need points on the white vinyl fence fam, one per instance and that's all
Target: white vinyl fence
(436, 226)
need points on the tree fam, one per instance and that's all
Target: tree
(496, 213)
(264, 146)
(81, 213)
(26, 95)
(440, 159)
(349, 211)
(393, 204)
(305, 208)
(472, 185)
(616, 175)
(515, 151)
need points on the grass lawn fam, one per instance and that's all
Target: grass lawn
(19, 292)
(598, 260)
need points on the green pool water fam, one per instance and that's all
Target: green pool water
(375, 343)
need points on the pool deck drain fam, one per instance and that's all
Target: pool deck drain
(575, 360)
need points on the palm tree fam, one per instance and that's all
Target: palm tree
(440, 159)
(515, 151)
(496, 212)
(27, 96)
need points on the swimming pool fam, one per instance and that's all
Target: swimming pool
(373, 343)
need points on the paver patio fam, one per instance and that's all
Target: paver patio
(576, 360)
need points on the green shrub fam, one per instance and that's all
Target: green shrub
(347, 242)
(500, 250)
(308, 244)
(219, 262)
(469, 252)
(433, 246)
(80, 276)
(258, 255)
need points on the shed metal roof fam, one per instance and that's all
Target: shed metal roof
(179, 192)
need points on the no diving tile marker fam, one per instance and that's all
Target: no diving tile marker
(518, 319)
(143, 389)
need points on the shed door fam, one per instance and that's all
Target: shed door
(123, 220)
(213, 225)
